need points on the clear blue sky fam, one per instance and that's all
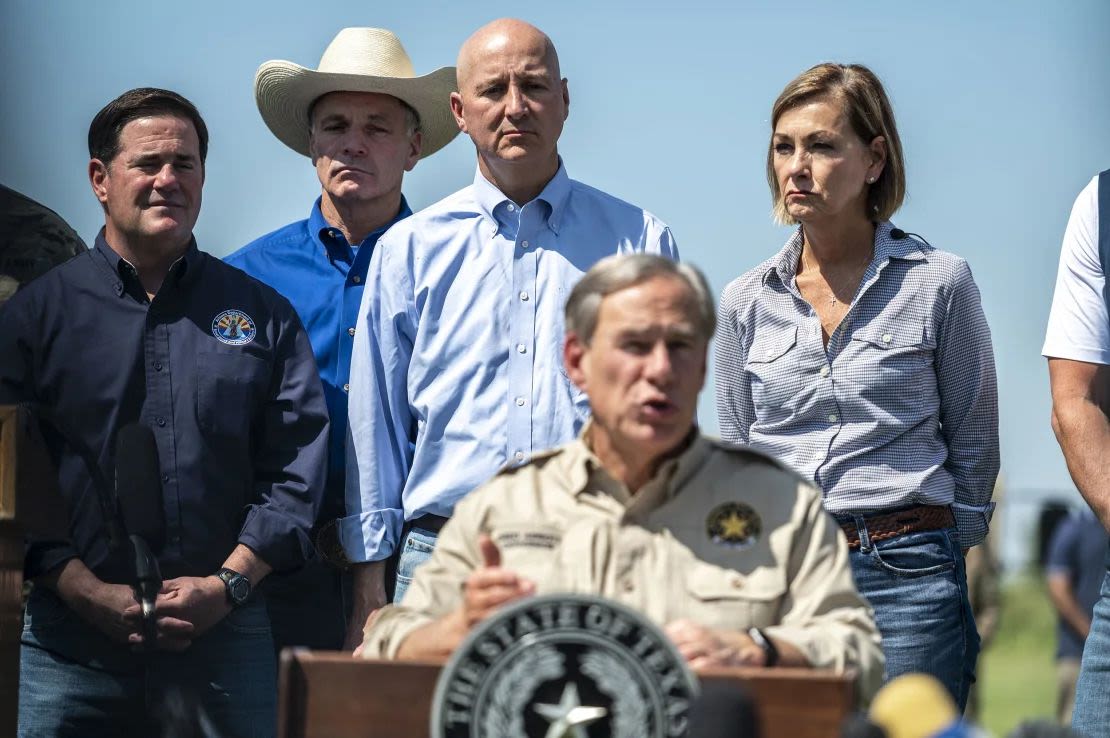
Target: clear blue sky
(1002, 106)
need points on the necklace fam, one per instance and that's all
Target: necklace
(833, 299)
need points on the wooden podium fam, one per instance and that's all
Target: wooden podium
(29, 502)
(331, 695)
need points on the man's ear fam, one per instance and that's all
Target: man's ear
(574, 354)
(312, 155)
(416, 144)
(566, 99)
(457, 111)
(98, 178)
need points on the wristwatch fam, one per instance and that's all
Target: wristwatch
(770, 653)
(238, 586)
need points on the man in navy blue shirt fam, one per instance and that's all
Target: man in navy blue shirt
(1074, 570)
(363, 119)
(145, 328)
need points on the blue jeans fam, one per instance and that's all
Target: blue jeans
(918, 587)
(73, 681)
(1092, 693)
(416, 548)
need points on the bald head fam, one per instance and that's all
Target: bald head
(512, 102)
(505, 36)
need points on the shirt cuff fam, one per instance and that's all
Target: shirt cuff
(276, 538)
(972, 522)
(42, 556)
(849, 645)
(371, 536)
(388, 630)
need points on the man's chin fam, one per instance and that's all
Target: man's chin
(170, 230)
(656, 437)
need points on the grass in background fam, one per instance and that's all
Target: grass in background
(1017, 672)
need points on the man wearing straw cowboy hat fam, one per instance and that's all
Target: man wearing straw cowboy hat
(456, 368)
(364, 118)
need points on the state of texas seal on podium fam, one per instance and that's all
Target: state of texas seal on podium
(564, 665)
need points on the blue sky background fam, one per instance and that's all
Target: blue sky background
(1002, 107)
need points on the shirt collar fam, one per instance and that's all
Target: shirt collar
(493, 203)
(331, 239)
(586, 474)
(116, 267)
(784, 265)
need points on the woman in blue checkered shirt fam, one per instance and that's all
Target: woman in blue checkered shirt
(860, 355)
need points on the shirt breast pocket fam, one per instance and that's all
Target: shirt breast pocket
(725, 598)
(229, 388)
(773, 368)
(893, 357)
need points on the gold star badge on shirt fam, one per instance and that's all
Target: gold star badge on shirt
(733, 524)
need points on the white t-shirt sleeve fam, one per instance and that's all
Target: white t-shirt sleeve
(1078, 326)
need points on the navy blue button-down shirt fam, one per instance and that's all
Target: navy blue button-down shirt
(312, 265)
(220, 369)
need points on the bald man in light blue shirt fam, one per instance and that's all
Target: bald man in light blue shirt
(456, 367)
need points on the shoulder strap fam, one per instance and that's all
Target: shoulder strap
(1104, 225)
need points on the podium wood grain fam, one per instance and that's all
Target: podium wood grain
(331, 695)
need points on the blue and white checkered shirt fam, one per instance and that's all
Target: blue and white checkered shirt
(900, 409)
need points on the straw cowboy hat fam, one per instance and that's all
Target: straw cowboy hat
(357, 60)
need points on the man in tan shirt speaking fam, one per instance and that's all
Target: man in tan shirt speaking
(727, 550)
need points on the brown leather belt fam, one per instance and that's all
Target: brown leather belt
(882, 526)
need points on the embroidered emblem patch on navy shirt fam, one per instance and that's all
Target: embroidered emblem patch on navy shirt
(233, 327)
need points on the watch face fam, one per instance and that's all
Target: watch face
(240, 589)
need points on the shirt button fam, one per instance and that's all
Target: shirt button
(520, 402)
(356, 279)
(351, 331)
(524, 296)
(175, 540)
(346, 388)
(512, 207)
(832, 417)
(524, 244)
(521, 348)
(627, 585)
(519, 456)
(157, 366)
(825, 371)
(333, 233)
(887, 338)
(165, 478)
(161, 422)
(770, 353)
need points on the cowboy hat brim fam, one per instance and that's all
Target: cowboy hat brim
(286, 91)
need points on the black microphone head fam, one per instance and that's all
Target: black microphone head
(722, 710)
(897, 234)
(139, 484)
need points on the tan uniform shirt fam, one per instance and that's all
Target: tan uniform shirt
(563, 522)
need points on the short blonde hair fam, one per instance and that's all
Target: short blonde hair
(869, 114)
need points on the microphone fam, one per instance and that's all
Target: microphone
(898, 234)
(139, 492)
(722, 710)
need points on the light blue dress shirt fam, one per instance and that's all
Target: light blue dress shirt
(457, 362)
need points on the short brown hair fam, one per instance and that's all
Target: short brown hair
(141, 102)
(869, 113)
